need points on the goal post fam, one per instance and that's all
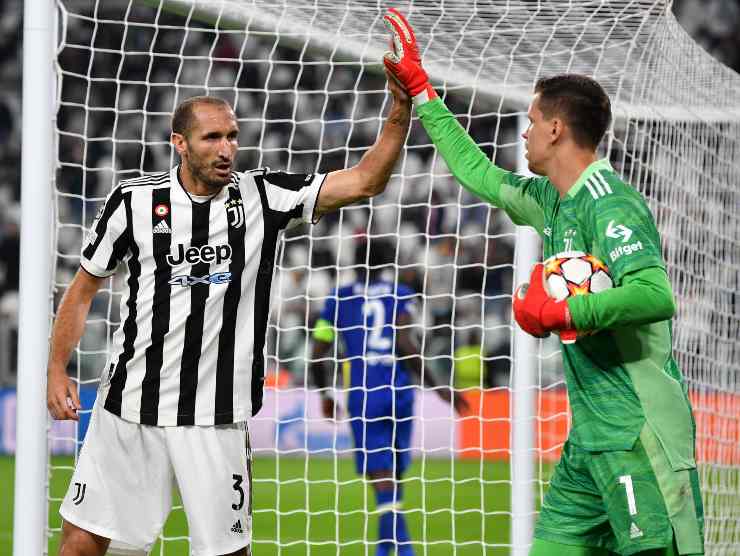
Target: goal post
(524, 383)
(308, 89)
(37, 165)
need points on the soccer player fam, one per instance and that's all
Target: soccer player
(185, 370)
(376, 320)
(626, 482)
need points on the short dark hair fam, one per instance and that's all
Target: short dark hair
(580, 101)
(182, 119)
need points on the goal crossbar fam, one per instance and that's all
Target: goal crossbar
(499, 49)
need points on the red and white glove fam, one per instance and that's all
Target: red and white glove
(537, 313)
(404, 61)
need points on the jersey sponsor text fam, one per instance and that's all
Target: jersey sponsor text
(187, 281)
(625, 250)
(204, 254)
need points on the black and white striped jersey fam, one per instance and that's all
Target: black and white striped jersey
(190, 347)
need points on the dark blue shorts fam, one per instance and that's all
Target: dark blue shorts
(381, 435)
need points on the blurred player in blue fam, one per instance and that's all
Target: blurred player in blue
(376, 321)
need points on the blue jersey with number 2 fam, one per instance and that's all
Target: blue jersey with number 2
(364, 316)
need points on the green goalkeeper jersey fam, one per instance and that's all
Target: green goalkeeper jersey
(617, 378)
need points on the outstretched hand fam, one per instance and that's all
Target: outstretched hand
(403, 61)
(396, 89)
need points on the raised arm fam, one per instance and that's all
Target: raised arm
(519, 196)
(370, 175)
(62, 398)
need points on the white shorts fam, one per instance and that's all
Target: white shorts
(122, 486)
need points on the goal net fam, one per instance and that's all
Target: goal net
(305, 79)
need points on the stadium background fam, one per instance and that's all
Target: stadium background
(456, 265)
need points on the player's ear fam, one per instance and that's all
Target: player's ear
(556, 129)
(179, 142)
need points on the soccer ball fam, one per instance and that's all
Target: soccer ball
(575, 273)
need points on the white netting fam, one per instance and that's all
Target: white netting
(305, 79)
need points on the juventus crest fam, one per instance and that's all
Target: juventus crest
(235, 212)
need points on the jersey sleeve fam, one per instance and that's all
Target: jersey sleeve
(294, 195)
(625, 234)
(108, 240)
(645, 296)
(522, 198)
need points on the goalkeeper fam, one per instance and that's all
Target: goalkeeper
(626, 482)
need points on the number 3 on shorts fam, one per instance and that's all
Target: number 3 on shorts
(238, 487)
(626, 480)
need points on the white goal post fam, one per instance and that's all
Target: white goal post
(37, 166)
(101, 80)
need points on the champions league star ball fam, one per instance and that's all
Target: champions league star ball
(575, 273)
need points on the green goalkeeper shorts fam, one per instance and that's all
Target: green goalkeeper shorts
(623, 501)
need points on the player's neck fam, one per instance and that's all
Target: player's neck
(565, 169)
(193, 185)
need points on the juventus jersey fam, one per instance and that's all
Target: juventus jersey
(190, 347)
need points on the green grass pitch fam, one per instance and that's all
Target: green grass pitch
(452, 507)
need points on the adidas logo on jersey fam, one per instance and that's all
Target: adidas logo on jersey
(237, 527)
(635, 531)
(162, 228)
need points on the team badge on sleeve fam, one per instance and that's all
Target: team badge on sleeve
(99, 213)
(92, 234)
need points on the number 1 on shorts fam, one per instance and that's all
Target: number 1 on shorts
(626, 480)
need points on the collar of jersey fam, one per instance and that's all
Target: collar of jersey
(197, 199)
(602, 164)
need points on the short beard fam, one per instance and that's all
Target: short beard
(198, 171)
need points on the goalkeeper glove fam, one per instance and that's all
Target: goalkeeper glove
(537, 313)
(404, 61)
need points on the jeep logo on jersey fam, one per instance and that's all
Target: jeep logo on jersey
(204, 254)
(235, 212)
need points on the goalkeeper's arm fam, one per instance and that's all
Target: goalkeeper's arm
(517, 195)
(644, 296)
(514, 194)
